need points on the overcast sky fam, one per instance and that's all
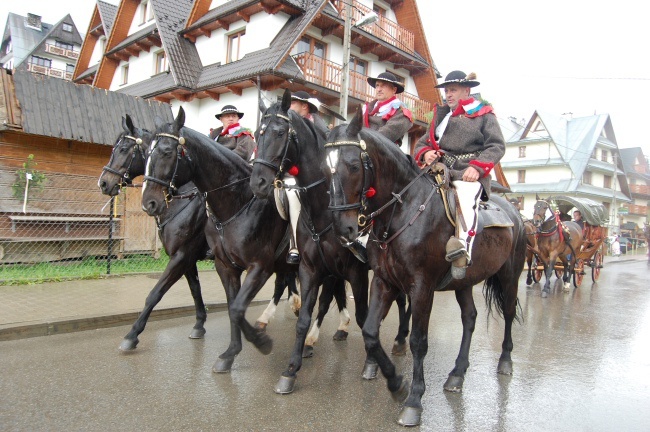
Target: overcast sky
(558, 56)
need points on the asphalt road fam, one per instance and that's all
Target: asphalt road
(581, 363)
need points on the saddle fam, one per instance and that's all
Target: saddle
(490, 214)
(281, 202)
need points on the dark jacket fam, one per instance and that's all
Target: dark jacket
(476, 137)
(241, 142)
(393, 125)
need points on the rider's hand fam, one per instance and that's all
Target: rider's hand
(471, 174)
(431, 156)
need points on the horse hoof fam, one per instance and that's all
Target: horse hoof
(399, 348)
(505, 367)
(402, 392)
(264, 344)
(223, 365)
(260, 326)
(285, 385)
(308, 351)
(454, 384)
(370, 371)
(529, 282)
(409, 416)
(340, 335)
(545, 293)
(128, 345)
(197, 333)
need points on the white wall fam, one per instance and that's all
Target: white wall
(135, 24)
(140, 69)
(98, 52)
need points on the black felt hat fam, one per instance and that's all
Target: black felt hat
(459, 77)
(303, 96)
(389, 78)
(229, 109)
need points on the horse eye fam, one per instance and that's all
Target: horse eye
(355, 168)
(123, 149)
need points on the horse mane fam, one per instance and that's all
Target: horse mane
(404, 162)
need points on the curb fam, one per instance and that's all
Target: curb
(68, 325)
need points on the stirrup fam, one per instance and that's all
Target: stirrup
(456, 254)
(293, 257)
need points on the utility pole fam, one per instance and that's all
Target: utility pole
(345, 78)
(614, 209)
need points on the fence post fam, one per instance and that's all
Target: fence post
(110, 236)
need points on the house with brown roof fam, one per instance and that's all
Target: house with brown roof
(32, 45)
(205, 54)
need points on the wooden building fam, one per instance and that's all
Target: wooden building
(69, 129)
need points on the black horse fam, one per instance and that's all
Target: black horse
(180, 228)
(407, 254)
(246, 234)
(284, 140)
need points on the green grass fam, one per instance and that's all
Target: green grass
(87, 268)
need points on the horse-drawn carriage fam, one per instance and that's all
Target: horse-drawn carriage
(592, 249)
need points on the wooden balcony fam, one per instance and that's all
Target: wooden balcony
(636, 209)
(640, 189)
(328, 74)
(71, 54)
(44, 70)
(384, 28)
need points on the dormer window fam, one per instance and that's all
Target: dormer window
(9, 47)
(67, 27)
(161, 62)
(234, 46)
(146, 11)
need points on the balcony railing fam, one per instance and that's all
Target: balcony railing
(326, 73)
(52, 49)
(384, 29)
(636, 209)
(44, 70)
(640, 189)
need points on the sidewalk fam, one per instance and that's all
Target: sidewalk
(61, 307)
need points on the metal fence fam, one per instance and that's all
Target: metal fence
(64, 228)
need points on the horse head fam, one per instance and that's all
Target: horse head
(352, 175)
(128, 158)
(167, 166)
(539, 212)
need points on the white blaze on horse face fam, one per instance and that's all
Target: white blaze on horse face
(146, 170)
(333, 159)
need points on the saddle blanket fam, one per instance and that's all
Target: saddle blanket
(490, 215)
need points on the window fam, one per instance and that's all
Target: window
(607, 182)
(67, 27)
(9, 47)
(358, 65)
(586, 178)
(234, 46)
(64, 45)
(125, 74)
(521, 176)
(603, 155)
(69, 68)
(102, 43)
(311, 45)
(400, 78)
(40, 61)
(522, 151)
(161, 62)
(146, 12)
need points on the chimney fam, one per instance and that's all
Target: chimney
(34, 21)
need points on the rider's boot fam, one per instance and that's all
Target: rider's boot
(459, 247)
(293, 257)
(458, 257)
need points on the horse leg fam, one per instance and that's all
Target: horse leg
(309, 291)
(294, 295)
(344, 316)
(192, 276)
(381, 298)
(173, 272)
(399, 346)
(529, 260)
(324, 301)
(422, 297)
(568, 271)
(468, 315)
(269, 312)
(507, 282)
(231, 281)
(548, 271)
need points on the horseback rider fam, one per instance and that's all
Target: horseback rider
(465, 135)
(232, 135)
(386, 113)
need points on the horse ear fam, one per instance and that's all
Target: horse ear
(158, 122)
(127, 124)
(262, 106)
(180, 119)
(537, 197)
(286, 100)
(355, 125)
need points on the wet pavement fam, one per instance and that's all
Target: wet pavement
(581, 363)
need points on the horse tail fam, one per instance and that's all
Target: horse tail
(496, 296)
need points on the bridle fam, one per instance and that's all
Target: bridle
(292, 136)
(125, 178)
(170, 186)
(368, 177)
(553, 217)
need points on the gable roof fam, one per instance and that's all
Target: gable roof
(631, 157)
(23, 38)
(36, 107)
(101, 24)
(107, 13)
